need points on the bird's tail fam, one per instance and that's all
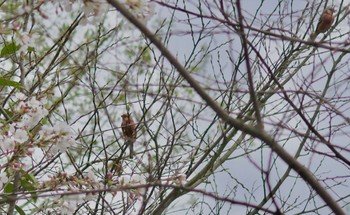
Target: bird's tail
(131, 148)
(313, 36)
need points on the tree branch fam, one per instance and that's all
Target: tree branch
(238, 124)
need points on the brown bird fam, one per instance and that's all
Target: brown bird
(129, 131)
(325, 22)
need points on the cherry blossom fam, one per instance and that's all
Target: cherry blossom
(64, 138)
(8, 144)
(20, 136)
(142, 9)
(3, 179)
(25, 40)
(93, 9)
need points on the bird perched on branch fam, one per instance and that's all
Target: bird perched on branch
(129, 131)
(325, 22)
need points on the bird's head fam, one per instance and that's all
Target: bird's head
(329, 9)
(125, 116)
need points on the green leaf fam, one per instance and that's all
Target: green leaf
(7, 82)
(28, 182)
(19, 210)
(8, 188)
(8, 49)
(9, 112)
(147, 56)
(30, 177)
(27, 185)
(30, 49)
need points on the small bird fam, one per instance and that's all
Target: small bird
(325, 22)
(129, 131)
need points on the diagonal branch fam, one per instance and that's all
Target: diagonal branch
(252, 92)
(238, 124)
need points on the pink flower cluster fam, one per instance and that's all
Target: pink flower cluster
(27, 132)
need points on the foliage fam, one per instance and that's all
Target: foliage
(238, 109)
